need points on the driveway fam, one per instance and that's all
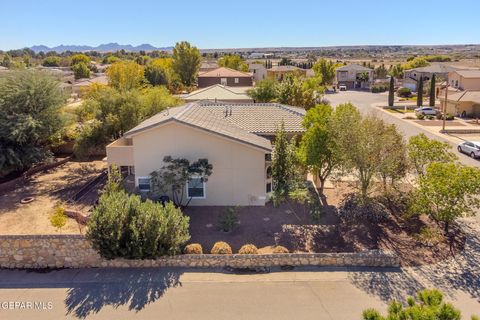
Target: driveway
(366, 101)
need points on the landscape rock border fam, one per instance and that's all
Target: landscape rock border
(75, 251)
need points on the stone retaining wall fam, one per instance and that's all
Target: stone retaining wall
(74, 251)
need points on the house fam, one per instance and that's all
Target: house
(225, 76)
(465, 79)
(218, 92)
(235, 138)
(412, 76)
(353, 76)
(258, 70)
(279, 72)
(207, 65)
(463, 103)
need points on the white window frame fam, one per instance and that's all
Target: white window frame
(204, 189)
(138, 183)
(237, 80)
(223, 81)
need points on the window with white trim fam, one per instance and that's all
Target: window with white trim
(196, 188)
(144, 184)
(236, 80)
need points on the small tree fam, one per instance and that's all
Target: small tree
(282, 162)
(186, 62)
(447, 191)
(423, 151)
(428, 304)
(264, 91)
(80, 70)
(420, 92)
(432, 91)
(391, 91)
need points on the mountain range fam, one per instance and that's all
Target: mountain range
(107, 47)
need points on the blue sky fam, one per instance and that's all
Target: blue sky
(247, 23)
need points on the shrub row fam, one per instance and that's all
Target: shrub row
(222, 247)
(377, 88)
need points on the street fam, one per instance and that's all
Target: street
(364, 101)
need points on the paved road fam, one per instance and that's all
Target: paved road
(318, 293)
(365, 101)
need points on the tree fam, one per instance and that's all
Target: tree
(423, 151)
(264, 91)
(80, 70)
(396, 71)
(125, 75)
(447, 191)
(381, 72)
(325, 70)
(363, 77)
(159, 72)
(391, 92)
(172, 178)
(282, 162)
(428, 304)
(292, 92)
(123, 225)
(78, 58)
(233, 62)
(30, 119)
(186, 62)
(415, 63)
(432, 91)
(51, 61)
(318, 149)
(420, 92)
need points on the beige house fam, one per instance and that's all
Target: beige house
(350, 76)
(465, 79)
(279, 72)
(235, 138)
(258, 70)
(463, 103)
(218, 92)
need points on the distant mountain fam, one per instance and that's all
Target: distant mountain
(107, 47)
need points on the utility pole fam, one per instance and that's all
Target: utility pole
(445, 106)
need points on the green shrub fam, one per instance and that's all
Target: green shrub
(449, 117)
(420, 116)
(58, 219)
(430, 117)
(377, 88)
(123, 225)
(248, 249)
(221, 247)
(313, 202)
(280, 250)
(430, 236)
(404, 92)
(229, 219)
(193, 248)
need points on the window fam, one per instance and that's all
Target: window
(196, 188)
(223, 81)
(236, 80)
(269, 187)
(144, 184)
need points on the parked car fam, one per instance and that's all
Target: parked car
(426, 111)
(342, 88)
(472, 148)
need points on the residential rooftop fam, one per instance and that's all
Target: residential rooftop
(353, 67)
(224, 72)
(469, 73)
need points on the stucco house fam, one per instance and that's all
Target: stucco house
(235, 138)
(350, 77)
(412, 76)
(218, 92)
(465, 79)
(226, 77)
(258, 70)
(279, 72)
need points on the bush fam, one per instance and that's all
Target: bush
(430, 117)
(430, 236)
(122, 225)
(356, 209)
(314, 204)
(229, 219)
(58, 219)
(404, 92)
(193, 248)
(420, 116)
(248, 249)
(221, 247)
(449, 117)
(280, 250)
(377, 88)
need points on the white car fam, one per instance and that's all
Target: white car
(472, 148)
(426, 111)
(342, 88)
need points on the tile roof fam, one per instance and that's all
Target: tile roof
(223, 72)
(219, 92)
(353, 67)
(469, 73)
(284, 68)
(470, 96)
(243, 122)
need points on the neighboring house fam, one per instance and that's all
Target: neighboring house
(412, 76)
(235, 138)
(208, 66)
(218, 92)
(465, 79)
(258, 70)
(225, 76)
(279, 72)
(351, 75)
(463, 103)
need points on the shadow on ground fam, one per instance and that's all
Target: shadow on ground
(136, 290)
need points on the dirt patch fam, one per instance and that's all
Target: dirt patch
(47, 189)
(290, 225)
(439, 123)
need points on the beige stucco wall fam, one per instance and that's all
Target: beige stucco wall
(463, 83)
(238, 176)
(120, 152)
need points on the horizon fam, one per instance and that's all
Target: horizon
(269, 24)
